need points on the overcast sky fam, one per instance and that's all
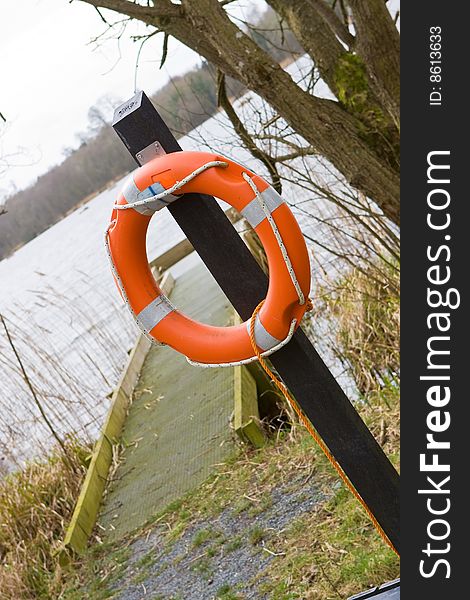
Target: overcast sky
(52, 75)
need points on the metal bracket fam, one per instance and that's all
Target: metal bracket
(151, 151)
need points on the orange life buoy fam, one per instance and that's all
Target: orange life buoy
(276, 226)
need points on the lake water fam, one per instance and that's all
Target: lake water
(63, 310)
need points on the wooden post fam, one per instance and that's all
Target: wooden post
(144, 133)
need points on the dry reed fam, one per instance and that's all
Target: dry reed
(36, 504)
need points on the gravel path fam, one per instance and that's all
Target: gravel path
(222, 558)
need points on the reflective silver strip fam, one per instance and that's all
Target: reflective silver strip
(253, 212)
(132, 194)
(263, 338)
(154, 312)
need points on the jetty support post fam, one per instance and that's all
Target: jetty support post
(146, 135)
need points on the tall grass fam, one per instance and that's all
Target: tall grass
(36, 504)
(364, 327)
(72, 354)
(73, 346)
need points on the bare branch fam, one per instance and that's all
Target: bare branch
(101, 15)
(164, 50)
(162, 8)
(307, 151)
(246, 138)
(32, 390)
(343, 10)
(332, 19)
(144, 40)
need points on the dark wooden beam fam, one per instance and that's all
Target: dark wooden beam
(139, 126)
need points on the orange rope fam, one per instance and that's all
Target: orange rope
(310, 428)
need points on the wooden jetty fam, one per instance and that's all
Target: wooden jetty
(169, 422)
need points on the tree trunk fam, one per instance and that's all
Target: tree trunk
(378, 44)
(314, 35)
(316, 26)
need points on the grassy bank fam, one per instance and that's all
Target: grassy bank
(35, 507)
(329, 549)
(318, 550)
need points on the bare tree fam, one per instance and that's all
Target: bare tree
(358, 133)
